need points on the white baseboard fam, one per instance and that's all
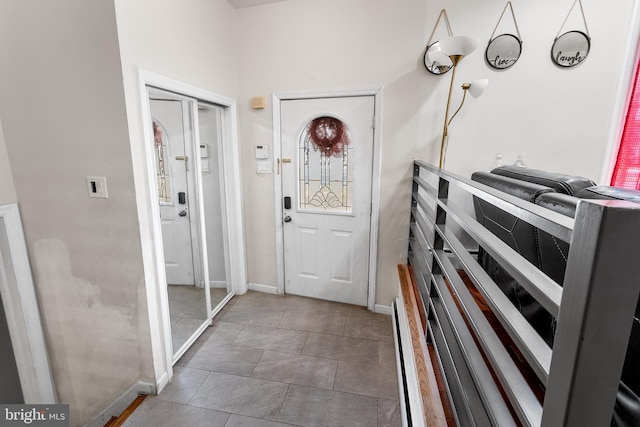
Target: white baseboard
(121, 403)
(269, 289)
(382, 309)
(162, 383)
(217, 284)
(149, 388)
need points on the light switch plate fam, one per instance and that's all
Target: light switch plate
(264, 167)
(97, 186)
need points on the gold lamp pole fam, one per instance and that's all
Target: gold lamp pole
(456, 48)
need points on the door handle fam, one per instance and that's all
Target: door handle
(182, 213)
(287, 218)
(287, 202)
(182, 198)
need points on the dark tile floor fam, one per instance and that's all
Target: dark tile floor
(274, 360)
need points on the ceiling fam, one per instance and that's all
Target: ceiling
(248, 3)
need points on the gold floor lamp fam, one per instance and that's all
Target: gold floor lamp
(457, 48)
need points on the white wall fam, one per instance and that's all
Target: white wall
(63, 114)
(7, 190)
(558, 120)
(192, 41)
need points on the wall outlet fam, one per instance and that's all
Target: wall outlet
(97, 186)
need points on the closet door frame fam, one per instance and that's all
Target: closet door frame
(22, 311)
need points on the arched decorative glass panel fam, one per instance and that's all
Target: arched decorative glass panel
(163, 174)
(326, 169)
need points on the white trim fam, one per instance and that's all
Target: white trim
(189, 342)
(383, 309)
(621, 100)
(375, 199)
(376, 92)
(22, 312)
(277, 186)
(218, 284)
(399, 370)
(200, 330)
(408, 357)
(267, 289)
(121, 403)
(150, 227)
(201, 270)
(196, 204)
(220, 305)
(161, 383)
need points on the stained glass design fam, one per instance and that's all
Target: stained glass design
(162, 166)
(326, 170)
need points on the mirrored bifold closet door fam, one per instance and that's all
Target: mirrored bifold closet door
(187, 138)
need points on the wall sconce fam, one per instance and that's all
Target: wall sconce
(456, 48)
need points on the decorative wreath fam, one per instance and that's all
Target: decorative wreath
(329, 135)
(157, 134)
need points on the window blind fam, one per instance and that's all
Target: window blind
(626, 173)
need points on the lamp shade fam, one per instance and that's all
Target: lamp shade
(459, 45)
(476, 88)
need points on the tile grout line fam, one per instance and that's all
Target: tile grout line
(198, 388)
(282, 403)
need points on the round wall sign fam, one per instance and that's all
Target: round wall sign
(435, 60)
(503, 51)
(570, 49)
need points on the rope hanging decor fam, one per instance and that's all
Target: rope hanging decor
(435, 61)
(572, 47)
(443, 13)
(504, 50)
(515, 22)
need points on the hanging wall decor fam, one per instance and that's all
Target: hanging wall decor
(572, 47)
(434, 59)
(504, 50)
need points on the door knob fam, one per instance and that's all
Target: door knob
(182, 213)
(287, 218)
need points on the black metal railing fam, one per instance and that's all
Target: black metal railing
(594, 308)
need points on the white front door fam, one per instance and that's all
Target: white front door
(169, 139)
(327, 164)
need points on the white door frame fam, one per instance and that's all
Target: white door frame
(375, 180)
(149, 214)
(22, 312)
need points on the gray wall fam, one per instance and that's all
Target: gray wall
(7, 190)
(64, 118)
